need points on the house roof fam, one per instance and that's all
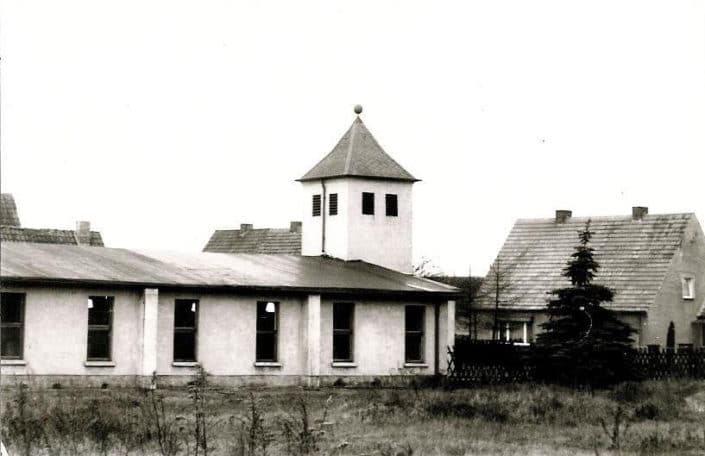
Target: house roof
(260, 240)
(634, 257)
(45, 236)
(358, 154)
(72, 264)
(8, 211)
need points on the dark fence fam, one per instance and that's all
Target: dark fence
(488, 362)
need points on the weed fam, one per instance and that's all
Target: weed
(620, 427)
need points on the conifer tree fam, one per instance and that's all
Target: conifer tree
(583, 343)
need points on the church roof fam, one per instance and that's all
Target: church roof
(358, 154)
(634, 257)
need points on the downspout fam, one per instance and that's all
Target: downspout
(323, 219)
(436, 338)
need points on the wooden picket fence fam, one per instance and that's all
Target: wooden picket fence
(491, 362)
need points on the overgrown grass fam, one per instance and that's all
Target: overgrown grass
(634, 418)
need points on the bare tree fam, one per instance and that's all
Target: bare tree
(495, 289)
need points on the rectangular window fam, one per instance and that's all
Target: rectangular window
(391, 205)
(100, 322)
(516, 332)
(316, 206)
(688, 288)
(368, 203)
(12, 316)
(343, 315)
(333, 204)
(414, 328)
(267, 325)
(185, 329)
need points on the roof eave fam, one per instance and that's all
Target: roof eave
(385, 178)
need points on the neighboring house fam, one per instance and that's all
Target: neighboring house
(654, 263)
(116, 315)
(12, 231)
(469, 287)
(257, 240)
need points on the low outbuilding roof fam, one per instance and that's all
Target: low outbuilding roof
(69, 264)
(634, 257)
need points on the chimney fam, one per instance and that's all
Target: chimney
(83, 233)
(563, 215)
(295, 227)
(245, 226)
(639, 212)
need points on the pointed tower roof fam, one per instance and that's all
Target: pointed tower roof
(358, 154)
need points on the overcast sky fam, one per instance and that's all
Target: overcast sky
(160, 121)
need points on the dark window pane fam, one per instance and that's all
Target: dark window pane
(368, 203)
(333, 204)
(342, 348)
(266, 316)
(184, 346)
(414, 347)
(98, 344)
(414, 318)
(342, 315)
(266, 347)
(11, 310)
(185, 313)
(391, 205)
(99, 310)
(316, 209)
(11, 342)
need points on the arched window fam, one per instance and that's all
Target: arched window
(671, 336)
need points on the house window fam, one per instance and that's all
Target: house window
(392, 208)
(316, 206)
(516, 332)
(414, 328)
(267, 325)
(100, 322)
(185, 326)
(343, 331)
(12, 316)
(688, 285)
(368, 203)
(333, 204)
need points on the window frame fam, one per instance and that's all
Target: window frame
(422, 332)
(20, 325)
(273, 332)
(350, 332)
(103, 328)
(390, 198)
(504, 328)
(186, 330)
(333, 204)
(369, 208)
(690, 281)
(316, 205)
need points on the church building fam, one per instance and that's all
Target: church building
(329, 298)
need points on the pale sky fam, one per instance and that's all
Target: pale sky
(160, 121)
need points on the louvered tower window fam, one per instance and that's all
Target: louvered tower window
(316, 212)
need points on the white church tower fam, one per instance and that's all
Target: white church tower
(358, 203)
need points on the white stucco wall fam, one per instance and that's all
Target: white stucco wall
(351, 235)
(56, 319)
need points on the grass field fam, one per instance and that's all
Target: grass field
(648, 418)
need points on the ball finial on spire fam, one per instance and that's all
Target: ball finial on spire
(358, 109)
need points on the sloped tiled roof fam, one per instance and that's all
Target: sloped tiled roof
(634, 257)
(74, 264)
(358, 154)
(8, 211)
(45, 236)
(260, 240)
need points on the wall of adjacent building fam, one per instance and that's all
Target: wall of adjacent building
(669, 305)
